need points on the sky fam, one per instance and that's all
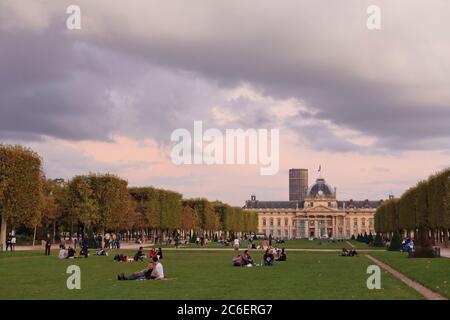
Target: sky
(371, 107)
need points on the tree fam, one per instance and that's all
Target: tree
(81, 202)
(189, 220)
(20, 187)
(370, 238)
(396, 242)
(365, 238)
(378, 241)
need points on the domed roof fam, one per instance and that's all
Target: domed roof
(320, 188)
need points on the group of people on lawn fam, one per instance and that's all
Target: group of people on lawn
(270, 255)
(154, 271)
(140, 255)
(348, 253)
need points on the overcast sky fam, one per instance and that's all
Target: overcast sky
(371, 106)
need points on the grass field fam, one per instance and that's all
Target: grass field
(197, 275)
(431, 273)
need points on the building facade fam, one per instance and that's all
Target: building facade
(298, 184)
(319, 215)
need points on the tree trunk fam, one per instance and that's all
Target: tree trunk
(3, 233)
(446, 238)
(34, 234)
(54, 231)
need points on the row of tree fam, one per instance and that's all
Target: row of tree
(424, 208)
(104, 202)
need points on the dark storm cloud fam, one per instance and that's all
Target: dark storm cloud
(384, 84)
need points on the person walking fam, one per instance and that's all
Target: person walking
(48, 244)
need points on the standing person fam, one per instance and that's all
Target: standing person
(236, 244)
(75, 241)
(107, 238)
(85, 245)
(48, 244)
(8, 242)
(177, 241)
(13, 242)
(114, 241)
(119, 237)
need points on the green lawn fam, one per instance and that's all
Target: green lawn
(292, 244)
(431, 273)
(197, 275)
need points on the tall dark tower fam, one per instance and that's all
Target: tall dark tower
(298, 184)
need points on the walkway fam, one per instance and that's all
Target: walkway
(427, 293)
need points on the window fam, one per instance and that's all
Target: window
(264, 221)
(355, 222)
(286, 221)
(363, 221)
(271, 222)
(279, 222)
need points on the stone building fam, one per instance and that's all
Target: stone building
(320, 215)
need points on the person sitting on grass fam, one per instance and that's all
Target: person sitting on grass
(353, 253)
(62, 252)
(344, 252)
(139, 256)
(154, 271)
(70, 253)
(237, 261)
(247, 258)
(159, 254)
(268, 258)
(152, 253)
(281, 256)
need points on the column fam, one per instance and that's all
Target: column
(307, 228)
(316, 227)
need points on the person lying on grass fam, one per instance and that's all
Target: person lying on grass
(101, 252)
(281, 255)
(154, 271)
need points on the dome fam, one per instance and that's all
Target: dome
(320, 188)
